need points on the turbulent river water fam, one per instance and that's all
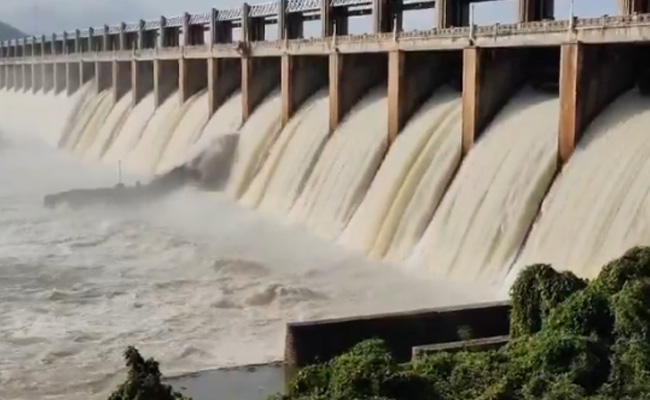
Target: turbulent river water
(194, 280)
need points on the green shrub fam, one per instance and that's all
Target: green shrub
(634, 265)
(570, 340)
(537, 290)
(143, 380)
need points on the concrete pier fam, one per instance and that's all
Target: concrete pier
(37, 77)
(60, 77)
(48, 77)
(259, 76)
(142, 79)
(122, 79)
(591, 76)
(490, 77)
(165, 79)
(103, 76)
(224, 78)
(73, 77)
(302, 76)
(193, 77)
(350, 79)
(412, 78)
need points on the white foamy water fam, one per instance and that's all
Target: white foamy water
(145, 156)
(226, 120)
(256, 138)
(110, 128)
(419, 145)
(194, 280)
(277, 185)
(599, 206)
(345, 168)
(188, 130)
(495, 196)
(130, 133)
(90, 131)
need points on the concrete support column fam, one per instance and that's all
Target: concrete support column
(193, 77)
(631, 7)
(224, 78)
(350, 77)
(141, 79)
(245, 22)
(73, 77)
(3, 78)
(103, 76)
(165, 79)
(290, 25)
(122, 78)
(490, 77)
(60, 77)
(452, 13)
(536, 10)
(591, 76)
(412, 79)
(259, 76)
(302, 76)
(48, 77)
(37, 77)
(384, 13)
(326, 18)
(340, 19)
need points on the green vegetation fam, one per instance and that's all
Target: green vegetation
(143, 380)
(570, 339)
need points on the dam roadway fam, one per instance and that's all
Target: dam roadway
(588, 62)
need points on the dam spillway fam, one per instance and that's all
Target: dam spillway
(431, 149)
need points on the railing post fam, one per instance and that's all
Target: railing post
(105, 44)
(122, 37)
(245, 22)
(162, 33)
(282, 19)
(140, 44)
(186, 30)
(213, 27)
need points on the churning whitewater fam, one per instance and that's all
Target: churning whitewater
(293, 222)
(194, 279)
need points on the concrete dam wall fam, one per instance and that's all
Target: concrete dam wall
(464, 152)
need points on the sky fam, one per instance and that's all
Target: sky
(47, 16)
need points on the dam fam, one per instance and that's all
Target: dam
(343, 174)
(459, 151)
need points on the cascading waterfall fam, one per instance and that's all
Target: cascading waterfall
(278, 183)
(187, 132)
(88, 112)
(420, 144)
(131, 131)
(494, 198)
(146, 154)
(410, 203)
(110, 128)
(345, 168)
(600, 204)
(256, 138)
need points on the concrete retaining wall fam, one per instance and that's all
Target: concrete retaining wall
(319, 341)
